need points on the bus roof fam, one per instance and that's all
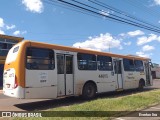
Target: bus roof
(12, 37)
(81, 50)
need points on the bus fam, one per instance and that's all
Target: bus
(6, 42)
(40, 70)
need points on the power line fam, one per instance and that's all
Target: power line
(56, 3)
(104, 5)
(110, 16)
(142, 7)
(50, 2)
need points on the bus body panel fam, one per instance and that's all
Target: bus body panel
(103, 79)
(53, 83)
(40, 83)
(107, 81)
(16, 93)
(40, 78)
(131, 79)
(83, 76)
(41, 92)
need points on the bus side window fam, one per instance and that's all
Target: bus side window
(40, 59)
(128, 65)
(104, 63)
(139, 65)
(86, 61)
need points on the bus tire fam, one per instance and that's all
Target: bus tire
(89, 91)
(141, 85)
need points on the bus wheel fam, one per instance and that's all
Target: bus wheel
(141, 85)
(89, 91)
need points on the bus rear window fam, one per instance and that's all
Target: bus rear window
(15, 49)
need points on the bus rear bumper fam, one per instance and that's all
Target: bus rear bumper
(16, 93)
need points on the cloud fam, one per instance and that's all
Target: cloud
(147, 48)
(35, 6)
(100, 43)
(135, 33)
(1, 22)
(10, 27)
(131, 34)
(127, 43)
(142, 40)
(4, 28)
(19, 33)
(2, 32)
(105, 13)
(142, 54)
(122, 34)
(157, 2)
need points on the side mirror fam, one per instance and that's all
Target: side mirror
(151, 64)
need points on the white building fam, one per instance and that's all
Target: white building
(155, 71)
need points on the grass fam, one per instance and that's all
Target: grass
(126, 103)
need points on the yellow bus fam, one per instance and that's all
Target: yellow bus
(6, 42)
(40, 70)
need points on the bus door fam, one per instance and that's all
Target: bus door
(64, 74)
(148, 73)
(118, 73)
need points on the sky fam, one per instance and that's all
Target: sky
(37, 20)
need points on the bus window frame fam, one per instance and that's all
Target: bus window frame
(86, 61)
(108, 57)
(129, 70)
(35, 64)
(139, 70)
